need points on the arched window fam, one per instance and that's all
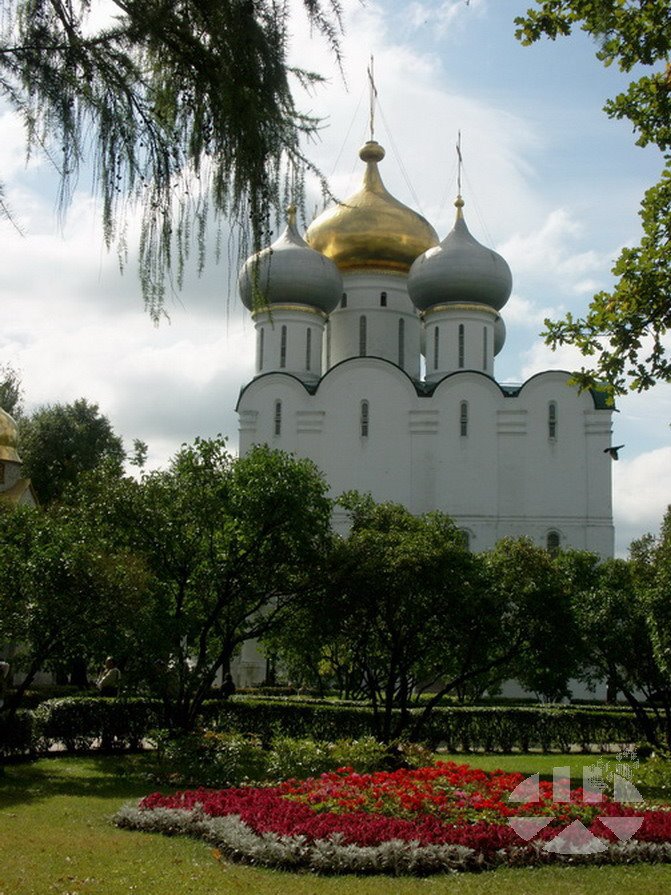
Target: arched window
(364, 420)
(278, 418)
(463, 419)
(552, 541)
(328, 344)
(262, 334)
(283, 347)
(308, 349)
(461, 345)
(343, 300)
(383, 299)
(401, 343)
(484, 348)
(436, 347)
(552, 420)
(362, 336)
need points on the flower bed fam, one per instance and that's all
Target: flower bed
(431, 819)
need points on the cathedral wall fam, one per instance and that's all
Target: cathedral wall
(366, 443)
(501, 466)
(465, 446)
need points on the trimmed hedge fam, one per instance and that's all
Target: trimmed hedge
(456, 728)
(548, 729)
(87, 722)
(80, 723)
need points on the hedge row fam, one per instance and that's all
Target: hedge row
(83, 723)
(456, 728)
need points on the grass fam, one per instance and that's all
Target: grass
(56, 839)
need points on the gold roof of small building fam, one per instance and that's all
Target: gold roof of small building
(371, 229)
(21, 492)
(9, 438)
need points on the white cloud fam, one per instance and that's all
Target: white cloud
(540, 357)
(441, 17)
(520, 311)
(641, 494)
(549, 250)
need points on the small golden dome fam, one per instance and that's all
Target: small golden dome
(9, 438)
(371, 229)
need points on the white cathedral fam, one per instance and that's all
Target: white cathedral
(375, 347)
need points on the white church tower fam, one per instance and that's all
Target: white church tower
(375, 358)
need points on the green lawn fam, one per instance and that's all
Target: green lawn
(56, 839)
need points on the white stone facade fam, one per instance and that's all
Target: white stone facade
(501, 462)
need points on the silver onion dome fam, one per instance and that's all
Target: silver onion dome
(460, 269)
(290, 272)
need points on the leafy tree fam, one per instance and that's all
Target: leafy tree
(614, 623)
(652, 568)
(183, 108)
(232, 544)
(406, 591)
(625, 328)
(534, 592)
(406, 610)
(58, 442)
(62, 595)
(11, 391)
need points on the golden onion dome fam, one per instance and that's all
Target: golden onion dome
(9, 438)
(371, 229)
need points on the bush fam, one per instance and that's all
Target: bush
(303, 758)
(654, 775)
(80, 723)
(17, 735)
(269, 719)
(209, 758)
(215, 759)
(505, 729)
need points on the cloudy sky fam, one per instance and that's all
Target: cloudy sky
(549, 181)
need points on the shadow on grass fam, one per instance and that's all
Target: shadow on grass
(124, 777)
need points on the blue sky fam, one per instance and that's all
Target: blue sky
(549, 181)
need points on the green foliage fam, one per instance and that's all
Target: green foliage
(301, 758)
(466, 728)
(654, 776)
(533, 590)
(295, 739)
(83, 723)
(11, 391)
(405, 608)
(18, 735)
(59, 442)
(622, 613)
(270, 719)
(390, 585)
(625, 328)
(230, 545)
(217, 759)
(61, 593)
(183, 109)
(208, 758)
